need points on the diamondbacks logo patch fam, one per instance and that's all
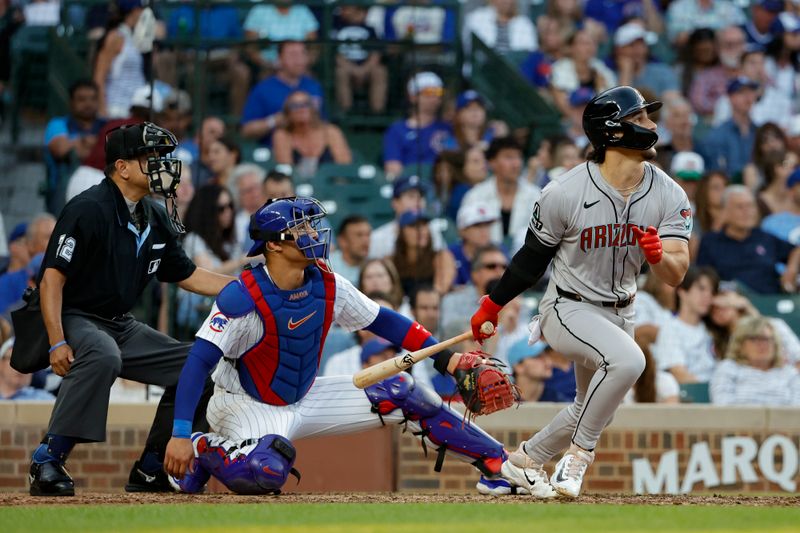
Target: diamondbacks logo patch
(218, 322)
(687, 219)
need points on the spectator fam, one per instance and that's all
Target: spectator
(358, 66)
(541, 373)
(263, 109)
(248, 178)
(380, 275)
(504, 192)
(488, 263)
(685, 16)
(377, 351)
(419, 138)
(684, 346)
(708, 203)
(305, 141)
(573, 126)
(73, 134)
(455, 173)
(744, 253)
(414, 256)
(580, 68)
(698, 55)
(217, 22)
(783, 54)
(614, 15)
(500, 27)
(13, 285)
(211, 129)
(222, 157)
(14, 385)
(753, 372)
(352, 241)
(676, 130)
(758, 25)
(771, 104)
(18, 254)
(425, 304)
(653, 385)
(511, 327)
(408, 194)
(538, 66)
(177, 118)
(710, 84)
(785, 224)
(633, 64)
(119, 65)
(90, 172)
(569, 16)
(770, 143)
(655, 303)
(687, 169)
(422, 23)
(277, 184)
(279, 22)
(474, 223)
(729, 146)
(470, 127)
(774, 196)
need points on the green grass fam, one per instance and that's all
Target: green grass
(439, 518)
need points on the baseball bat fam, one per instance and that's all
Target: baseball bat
(375, 373)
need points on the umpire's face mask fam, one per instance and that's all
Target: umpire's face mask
(164, 176)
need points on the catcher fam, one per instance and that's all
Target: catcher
(265, 335)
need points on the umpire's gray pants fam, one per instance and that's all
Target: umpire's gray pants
(607, 364)
(105, 349)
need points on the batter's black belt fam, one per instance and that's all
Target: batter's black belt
(620, 304)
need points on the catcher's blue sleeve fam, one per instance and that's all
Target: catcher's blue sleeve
(409, 334)
(202, 357)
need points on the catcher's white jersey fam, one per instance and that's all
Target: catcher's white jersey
(591, 223)
(352, 310)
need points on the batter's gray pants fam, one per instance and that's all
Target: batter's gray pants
(607, 364)
(105, 349)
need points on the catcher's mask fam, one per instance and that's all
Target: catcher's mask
(152, 147)
(295, 218)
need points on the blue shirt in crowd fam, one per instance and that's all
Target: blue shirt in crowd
(725, 148)
(752, 262)
(221, 22)
(12, 287)
(414, 145)
(560, 387)
(613, 13)
(537, 68)
(268, 96)
(29, 393)
(785, 226)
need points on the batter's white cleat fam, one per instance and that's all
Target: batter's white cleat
(568, 475)
(497, 487)
(520, 470)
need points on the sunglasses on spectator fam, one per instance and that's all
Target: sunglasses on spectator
(224, 207)
(494, 266)
(292, 106)
(759, 338)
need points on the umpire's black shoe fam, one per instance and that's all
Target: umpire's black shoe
(141, 481)
(50, 479)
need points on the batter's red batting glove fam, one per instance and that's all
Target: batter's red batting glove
(650, 243)
(487, 312)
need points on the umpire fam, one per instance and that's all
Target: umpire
(108, 243)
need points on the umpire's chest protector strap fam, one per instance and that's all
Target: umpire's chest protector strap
(234, 300)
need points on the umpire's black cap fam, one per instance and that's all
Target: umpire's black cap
(130, 141)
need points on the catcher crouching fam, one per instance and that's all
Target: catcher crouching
(264, 337)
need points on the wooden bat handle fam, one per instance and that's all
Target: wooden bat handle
(375, 373)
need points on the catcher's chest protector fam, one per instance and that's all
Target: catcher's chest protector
(282, 366)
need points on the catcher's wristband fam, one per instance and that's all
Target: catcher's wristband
(182, 429)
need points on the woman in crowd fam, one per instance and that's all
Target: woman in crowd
(470, 124)
(581, 68)
(770, 143)
(222, 157)
(454, 174)
(654, 385)
(415, 259)
(306, 141)
(774, 196)
(698, 55)
(783, 55)
(754, 372)
(708, 207)
(655, 302)
(380, 275)
(119, 65)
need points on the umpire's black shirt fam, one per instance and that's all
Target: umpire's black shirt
(106, 261)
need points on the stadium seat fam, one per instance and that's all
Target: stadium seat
(694, 393)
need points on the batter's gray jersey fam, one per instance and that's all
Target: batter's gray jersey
(592, 225)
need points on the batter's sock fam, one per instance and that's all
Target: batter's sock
(54, 448)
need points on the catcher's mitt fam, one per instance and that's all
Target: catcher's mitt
(483, 386)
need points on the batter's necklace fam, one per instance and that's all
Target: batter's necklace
(623, 190)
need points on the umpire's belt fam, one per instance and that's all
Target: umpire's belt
(620, 304)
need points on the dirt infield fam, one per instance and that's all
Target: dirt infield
(16, 499)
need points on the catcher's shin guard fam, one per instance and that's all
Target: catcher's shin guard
(438, 423)
(263, 470)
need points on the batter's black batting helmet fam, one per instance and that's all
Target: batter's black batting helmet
(604, 120)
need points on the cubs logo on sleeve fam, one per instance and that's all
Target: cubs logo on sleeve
(218, 322)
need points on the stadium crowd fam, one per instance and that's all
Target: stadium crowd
(729, 134)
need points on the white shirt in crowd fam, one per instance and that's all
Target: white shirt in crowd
(483, 23)
(666, 387)
(565, 78)
(485, 194)
(773, 106)
(736, 384)
(681, 344)
(648, 311)
(382, 240)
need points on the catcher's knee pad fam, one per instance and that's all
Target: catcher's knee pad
(261, 471)
(438, 423)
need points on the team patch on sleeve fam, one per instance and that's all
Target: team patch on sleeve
(687, 219)
(218, 322)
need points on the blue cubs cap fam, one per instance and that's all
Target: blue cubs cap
(18, 232)
(375, 346)
(467, 97)
(407, 183)
(773, 6)
(34, 265)
(520, 351)
(412, 217)
(742, 82)
(580, 96)
(786, 22)
(793, 179)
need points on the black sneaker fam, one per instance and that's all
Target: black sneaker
(141, 481)
(50, 479)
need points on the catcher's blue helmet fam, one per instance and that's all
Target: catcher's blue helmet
(278, 216)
